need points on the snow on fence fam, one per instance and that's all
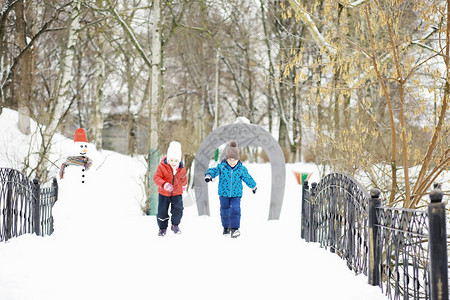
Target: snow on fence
(24, 206)
(404, 251)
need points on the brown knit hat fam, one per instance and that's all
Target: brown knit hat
(232, 151)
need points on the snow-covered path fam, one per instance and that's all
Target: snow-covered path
(110, 251)
(104, 248)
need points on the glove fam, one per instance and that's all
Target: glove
(254, 190)
(168, 187)
(208, 178)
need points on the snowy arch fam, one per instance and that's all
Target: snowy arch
(244, 135)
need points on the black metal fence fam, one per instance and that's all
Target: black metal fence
(24, 206)
(404, 251)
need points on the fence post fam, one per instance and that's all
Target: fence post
(305, 194)
(438, 247)
(37, 206)
(8, 219)
(312, 229)
(55, 195)
(374, 244)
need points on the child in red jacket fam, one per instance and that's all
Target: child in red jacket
(170, 177)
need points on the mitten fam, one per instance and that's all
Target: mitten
(254, 190)
(208, 178)
(168, 187)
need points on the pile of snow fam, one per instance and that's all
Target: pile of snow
(104, 248)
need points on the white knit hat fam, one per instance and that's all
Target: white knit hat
(174, 150)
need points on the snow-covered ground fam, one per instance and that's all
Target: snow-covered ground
(104, 248)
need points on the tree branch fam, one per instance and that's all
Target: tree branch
(28, 46)
(130, 33)
(313, 30)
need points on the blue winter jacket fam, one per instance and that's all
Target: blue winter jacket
(230, 179)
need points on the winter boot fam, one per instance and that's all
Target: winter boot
(226, 231)
(162, 232)
(176, 229)
(235, 232)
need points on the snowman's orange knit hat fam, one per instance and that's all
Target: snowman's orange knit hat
(80, 136)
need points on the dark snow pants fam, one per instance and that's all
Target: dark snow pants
(176, 210)
(230, 211)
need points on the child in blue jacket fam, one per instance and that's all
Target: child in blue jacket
(231, 173)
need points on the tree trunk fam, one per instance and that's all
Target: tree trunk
(97, 128)
(154, 103)
(296, 150)
(283, 134)
(61, 91)
(216, 92)
(23, 79)
(391, 113)
(272, 91)
(5, 9)
(131, 124)
(249, 73)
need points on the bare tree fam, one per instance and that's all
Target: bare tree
(61, 91)
(387, 61)
(23, 80)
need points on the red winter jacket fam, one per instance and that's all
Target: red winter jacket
(164, 174)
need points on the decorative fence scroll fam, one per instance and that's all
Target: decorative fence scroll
(402, 236)
(24, 206)
(404, 251)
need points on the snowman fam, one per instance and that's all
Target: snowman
(78, 164)
(75, 192)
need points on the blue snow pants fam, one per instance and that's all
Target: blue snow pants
(176, 210)
(230, 211)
